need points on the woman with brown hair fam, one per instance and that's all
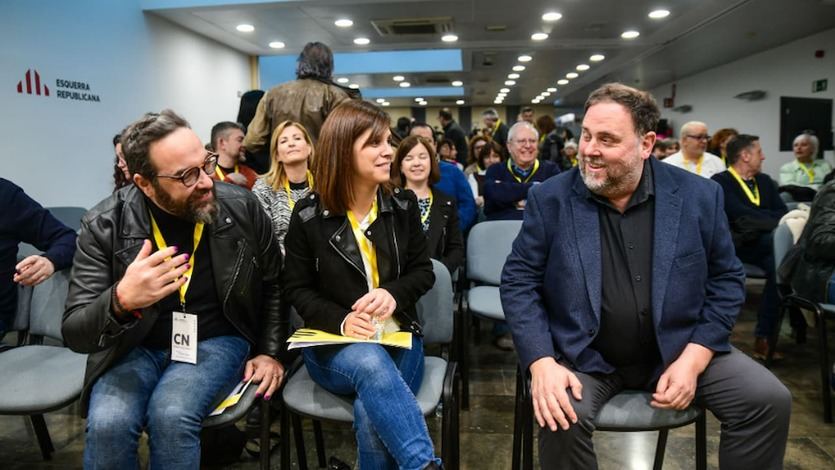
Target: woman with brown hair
(476, 144)
(719, 141)
(289, 179)
(356, 265)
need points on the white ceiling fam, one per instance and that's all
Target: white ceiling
(698, 34)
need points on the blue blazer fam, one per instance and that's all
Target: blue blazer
(551, 282)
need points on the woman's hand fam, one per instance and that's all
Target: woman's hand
(378, 303)
(358, 325)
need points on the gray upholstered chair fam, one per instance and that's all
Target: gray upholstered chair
(69, 216)
(488, 245)
(628, 411)
(303, 397)
(39, 378)
(239, 411)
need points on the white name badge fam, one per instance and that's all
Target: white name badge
(184, 337)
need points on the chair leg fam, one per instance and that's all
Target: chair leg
(464, 360)
(772, 340)
(701, 442)
(516, 455)
(298, 436)
(42, 433)
(320, 443)
(660, 448)
(450, 425)
(823, 352)
(266, 447)
(285, 438)
(527, 427)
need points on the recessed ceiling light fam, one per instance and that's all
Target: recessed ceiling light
(631, 34)
(398, 78)
(423, 103)
(583, 67)
(518, 68)
(380, 100)
(505, 90)
(457, 83)
(658, 14)
(535, 101)
(449, 38)
(386, 103)
(539, 36)
(513, 76)
(509, 82)
(524, 58)
(405, 84)
(418, 100)
(353, 86)
(497, 101)
(571, 75)
(342, 80)
(545, 93)
(459, 102)
(562, 82)
(277, 45)
(245, 28)
(597, 57)
(344, 23)
(551, 16)
(362, 41)
(552, 90)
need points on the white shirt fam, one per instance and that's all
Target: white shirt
(711, 164)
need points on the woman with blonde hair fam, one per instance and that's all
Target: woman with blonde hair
(289, 179)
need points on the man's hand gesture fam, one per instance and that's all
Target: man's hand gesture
(152, 277)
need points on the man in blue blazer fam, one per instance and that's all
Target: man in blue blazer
(624, 276)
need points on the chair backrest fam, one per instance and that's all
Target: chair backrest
(435, 307)
(69, 216)
(47, 307)
(488, 245)
(24, 306)
(786, 197)
(782, 243)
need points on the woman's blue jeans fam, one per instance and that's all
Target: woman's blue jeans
(391, 432)
(145, 390)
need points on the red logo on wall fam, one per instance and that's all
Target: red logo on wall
(38, 89)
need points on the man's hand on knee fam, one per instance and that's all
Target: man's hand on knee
(549, 392)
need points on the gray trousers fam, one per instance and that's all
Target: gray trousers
(750, 402)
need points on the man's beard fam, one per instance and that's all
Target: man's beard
(620, 177)
(190, 209)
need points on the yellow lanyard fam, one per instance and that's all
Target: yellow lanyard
(519, 180)
(496, 127)
(220, 174)
(290, 195)
(424, 218)
(810, 172)
(198, 234)
(753, 197)
(365, 244)
(699, 165)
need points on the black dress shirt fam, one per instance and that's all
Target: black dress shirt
(626, 337)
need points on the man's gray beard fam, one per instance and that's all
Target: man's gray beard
(609, 186)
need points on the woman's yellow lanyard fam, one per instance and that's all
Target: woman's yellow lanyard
(424, 218)
(198, 234)
(810, 172)
(699, 165)
(519, 180)
(220, 175)
(365, 244)
(753, 197)
(290, 194)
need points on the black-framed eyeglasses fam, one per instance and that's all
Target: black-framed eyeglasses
(698, 137)
(191, 176)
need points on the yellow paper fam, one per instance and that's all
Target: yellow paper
(307, 337)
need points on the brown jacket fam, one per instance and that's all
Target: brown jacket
(307, 100)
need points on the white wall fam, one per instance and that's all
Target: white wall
(787, 70)
(60, 150)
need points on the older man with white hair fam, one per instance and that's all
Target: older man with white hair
(693, 156)
(805, 170)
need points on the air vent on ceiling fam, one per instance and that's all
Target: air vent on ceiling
(412, 26)
(496, 28)
(436, 81)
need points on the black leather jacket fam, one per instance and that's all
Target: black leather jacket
(243, 250)
(323, 270)
(817, 261)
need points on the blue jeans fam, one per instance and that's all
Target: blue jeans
(391, 432)
(145, 390)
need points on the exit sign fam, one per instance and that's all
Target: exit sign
(819, 85)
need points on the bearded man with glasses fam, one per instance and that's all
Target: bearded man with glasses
(693, 156)
(174, 295)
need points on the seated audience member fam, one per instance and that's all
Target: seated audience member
(551, 143)
(495, 128)
(673, 147)
(154, 300)
(448, 153)
(260, 160)
(24, 220)
(623, 276)
(506, 186)
(308, 99)
(569, 156)
(476, 144)
(452, 182)
(719, 142)
(227, 142)
(693, 157)
(454, 133)
(754, 209)
(805, 170)
(659, 150)
(121, 176)
(489, 155)
(357, 261)
(528, 115)
(813, 277)
(289, 179)
(403, 126)
(416, 169)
